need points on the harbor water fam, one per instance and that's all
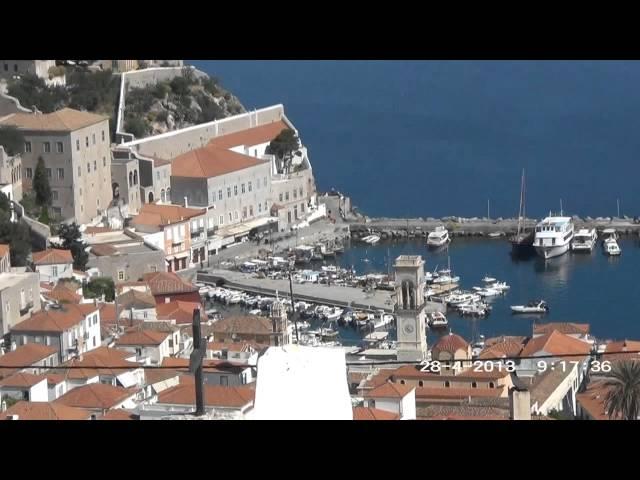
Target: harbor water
(579, 287)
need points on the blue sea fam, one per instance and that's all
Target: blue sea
(439, 138)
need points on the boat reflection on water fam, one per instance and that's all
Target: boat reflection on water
(554, 271)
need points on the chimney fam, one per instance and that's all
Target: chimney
(13, 417)
(519, 403)
(186, 202)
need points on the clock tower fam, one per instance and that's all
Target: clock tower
(410, 315)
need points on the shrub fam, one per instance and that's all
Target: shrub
(162, 116)
(137, 126)
(179, 86)
(100, 286)
(11, 139)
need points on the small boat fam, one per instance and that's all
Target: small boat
(584, 240)
(437, 320)
(488, 279)
(488, 292)
(438, 238)
(501, 286)
(371, 239)
(496, 234)
(474, 309)
(610, 243)
(539, 306)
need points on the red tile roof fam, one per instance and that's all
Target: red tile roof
(45, 411)
(22, 380)
(214, 396)
(389, 390)
(100, 361)
(143, 337)
(181, 312)
(4, 249)
(27, 354)
(96, 395)
(119, 414)
(162, 283)
(52, 256)
(364, 413)
(249, 325)
(616, 350)
(235, 346)
(450, 343)
(555, 343)
(250, 136)
(211, 161)
(457, 393)
(63, 120)
(413, 371)
(592, 400)
(152, 214)
(63, 294)
(563, 327)
(107, 313)
(209, 365)
(55, 320)
(502, 349)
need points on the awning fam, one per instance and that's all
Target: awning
(246, 227)
(182, 255)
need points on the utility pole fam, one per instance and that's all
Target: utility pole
(195, 362)
(293, 307)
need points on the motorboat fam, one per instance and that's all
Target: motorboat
(371, 239)
(474, 309)
(488, 279)
(445, 279)
(538, 306)
(611, 247)
(488, 292)
(553, 236)
(438, 238)
(437, 320)
(584, 240)
(501, 286)
(459, 298)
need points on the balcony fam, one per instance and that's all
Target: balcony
(197, 233)
(24, 310)
(212, 231)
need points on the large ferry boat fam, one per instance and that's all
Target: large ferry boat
(553, 236)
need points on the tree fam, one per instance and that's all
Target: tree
(11, 139)
(284, 146)
(100, 286)
(137, 126)
(71, 237)
(41, 184)
(623, 398)
(15, 234)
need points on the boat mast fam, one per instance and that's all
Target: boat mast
(488, 214)
(561, 212)
(521, 210)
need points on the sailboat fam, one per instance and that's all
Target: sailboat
(522, 241)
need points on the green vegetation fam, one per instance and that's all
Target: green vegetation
(623, 398)
(16, 235)
(41, 184)
(56, 71)
(284, 146)
(11, 139)
(9, 401)
(100, 286)
(72, 240)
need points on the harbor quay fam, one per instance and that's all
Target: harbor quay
(398, 228)
(338, 296)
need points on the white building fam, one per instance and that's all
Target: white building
(148, 345)
(25, 386)
(395, 398)
(53, 264)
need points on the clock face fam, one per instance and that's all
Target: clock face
(408, 328)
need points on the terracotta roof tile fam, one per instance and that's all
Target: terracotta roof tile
(22, 380)
(249, 325)
(100, 361)
(64, 120)
(27, 354)
(450, 343)
(211, 161)
(104, 250)
(563, 327)
(181, 312)
(52, 256)
(413, 371)
(390, 390)
(119, 414)
(96, 395)
(61, 294)
(616, 350)
(501, 349)
(136, 299)
(250, 136)
(457, 393)
(152, 214)
(56, 320)
(214, 396)
(364, 413)
(461, 412)
(592, 400)
(107, 313)
(45, 411)
(236, 346)
(162, 283)
(555, 343)
(209, 365)
(144, 337)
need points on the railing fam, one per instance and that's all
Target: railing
(197, 233)
(24, 310)
(211, 232)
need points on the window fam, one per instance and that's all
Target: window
(27, 147)
(47, 147)
(235, 214)
(158, 174)
(243, 188)
(286, 196)
(265, 181)
(446, 384)
(54, 194)
(492, 385)
(104, 161)
(221, 220)
(78, 144)
(235, 190)
(15, 69)
(88, 167)
(281, 198)
(121, 275)
(48, 170)
(93, 138)
(28, 173)
(244, 212)
(57, 211)
(251, 210)
(295, 193)
(103, 135)
(474, 385)
(302, 207)
(47, 342)
(54, 271)
(153, 268)
(401, 382)
(6, 67)
(265, 206)
(249, 186)
(95, 165)
(228, 192)
(421, 383)
(60, 173)
(94, 341)
(259, 207)
(86, 141)
(80, 191)
(295, 212)
(300, 192)
(230, 217)
(79, 172)
(219, 194)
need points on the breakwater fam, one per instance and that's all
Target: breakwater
(399, 228)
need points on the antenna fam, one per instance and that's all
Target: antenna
(618, 201)
(560, 207)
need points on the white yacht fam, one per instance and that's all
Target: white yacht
(610, 243)
(438, 238)
(553, 236)
(584, 240)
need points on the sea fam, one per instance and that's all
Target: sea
(441, 138)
